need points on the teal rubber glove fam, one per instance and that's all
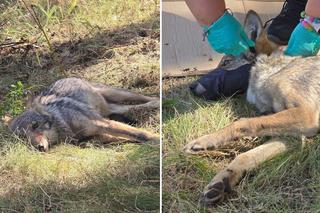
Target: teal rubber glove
(303, 42)
(226, 35)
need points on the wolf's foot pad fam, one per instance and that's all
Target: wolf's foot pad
(213, 193)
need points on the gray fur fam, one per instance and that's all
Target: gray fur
(74, 108)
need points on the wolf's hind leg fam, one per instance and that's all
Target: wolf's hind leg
(115, 95)
(117, 129)
(121, 109)
(226, 179)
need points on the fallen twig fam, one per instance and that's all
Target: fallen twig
(18, 44)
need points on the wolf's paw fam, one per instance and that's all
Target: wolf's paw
(199, 145)
(154, 104)
(213, 193)
(216, 191)
(154, 138)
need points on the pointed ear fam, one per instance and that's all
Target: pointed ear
(30, 98)
(253, 25)
(39, 108)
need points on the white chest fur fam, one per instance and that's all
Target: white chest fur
(260, 79)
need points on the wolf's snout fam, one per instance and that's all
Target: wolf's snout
(41, 148)
(41, 143)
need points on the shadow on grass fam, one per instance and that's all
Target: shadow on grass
(133, 188)
(36, 66)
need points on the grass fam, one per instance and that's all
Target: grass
(112, 42)
(287, 183)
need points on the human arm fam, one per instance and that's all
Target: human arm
(305, 39)
(223, 32)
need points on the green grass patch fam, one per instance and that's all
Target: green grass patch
(13, 102)
(111, 42)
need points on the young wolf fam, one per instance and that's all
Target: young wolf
(286, 90)
(76, 109)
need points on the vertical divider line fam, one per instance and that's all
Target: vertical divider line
(161, 135)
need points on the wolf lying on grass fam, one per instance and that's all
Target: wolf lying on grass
(76, 109)
(286, 88)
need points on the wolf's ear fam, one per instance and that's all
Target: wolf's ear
(30, 98)
(39, 108)
(253, 25)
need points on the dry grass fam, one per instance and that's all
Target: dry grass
(288, 183)
(112, 42)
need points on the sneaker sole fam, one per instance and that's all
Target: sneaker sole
(276, 40)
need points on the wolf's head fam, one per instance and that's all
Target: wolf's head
(37, 127)
(263, 46)
(257, 32)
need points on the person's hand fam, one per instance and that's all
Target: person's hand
(226, 35)
(303, 42)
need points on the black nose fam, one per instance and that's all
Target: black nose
(41, 148)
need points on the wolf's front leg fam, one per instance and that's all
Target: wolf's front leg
(117, 129)
(204, 143)
(294, 121)
(216, 140)
(225, 180)
(107, 138)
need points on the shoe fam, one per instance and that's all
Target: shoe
(282, 26)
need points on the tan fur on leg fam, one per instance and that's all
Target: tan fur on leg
(226, 179)
(294, 121)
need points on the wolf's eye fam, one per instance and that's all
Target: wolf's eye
(48, 125)
(35, 124)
